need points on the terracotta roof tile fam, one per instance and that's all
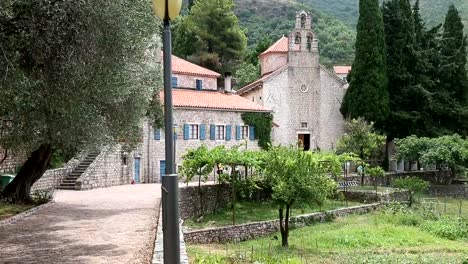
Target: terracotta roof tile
(279, 46)
(212, 100)
(182, 66)
(342, 69)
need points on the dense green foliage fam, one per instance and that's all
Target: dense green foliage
(448, 153)
(413, 185)
(367, 95)
(72, 74)
(263, 123)
(211, 35)
(360, 138)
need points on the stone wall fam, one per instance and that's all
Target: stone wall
(373, 197)
(106, 170)
(11, 162)
(214, 197)
(265, 228)
(53, 178)
(189, 81)
(454, 190)
(390, 176)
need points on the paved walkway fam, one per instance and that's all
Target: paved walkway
(110, 225)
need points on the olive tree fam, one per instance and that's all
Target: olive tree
(72, 74)
(296, 177)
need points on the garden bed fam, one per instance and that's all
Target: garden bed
(393, 235)
(8, 210)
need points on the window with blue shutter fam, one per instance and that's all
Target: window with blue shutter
(228, 132)
(238, 132)
(202, 132)
(157, 134)
(212, 132)
(251, 132)
(199, 84)
(174, 82)
(186, 131)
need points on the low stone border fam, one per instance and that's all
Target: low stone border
(254, 230)
(24, 214)
(158, 255)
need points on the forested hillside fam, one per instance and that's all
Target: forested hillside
(275, 18)
(432, 11)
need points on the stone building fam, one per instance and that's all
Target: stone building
(304, 95)
(203, 114)
(342, 71)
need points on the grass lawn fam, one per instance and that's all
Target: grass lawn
(8, 209)
(252, 212)
(381, 189)
(405, 236)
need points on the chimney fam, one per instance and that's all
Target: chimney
(227, 82)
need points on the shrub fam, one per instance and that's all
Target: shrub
(42, 196)
(414, 185)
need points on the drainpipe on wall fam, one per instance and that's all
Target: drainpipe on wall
(148, 155)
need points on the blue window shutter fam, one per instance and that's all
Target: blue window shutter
(251, 132)
(174, 82)
(202, 132)
(238, 132)
(175, 135)
(228, 132)
(157, 134)
(186, 131)
(212, 132)
(199, 84)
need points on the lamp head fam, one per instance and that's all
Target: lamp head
(167, 9)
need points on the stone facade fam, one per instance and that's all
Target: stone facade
(259, 229)
(154, 148)
(189, 81)
(108, 169)
(12, 161)
(305, 97)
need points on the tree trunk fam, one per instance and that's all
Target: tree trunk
(19, 190)
(284, 226)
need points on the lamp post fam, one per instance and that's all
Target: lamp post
(168, 10)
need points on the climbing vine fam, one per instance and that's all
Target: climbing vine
(262, 122)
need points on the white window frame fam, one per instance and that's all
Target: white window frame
(192, 136)
(217, 135)
(247, 130)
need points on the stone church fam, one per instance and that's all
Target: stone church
(304, 95)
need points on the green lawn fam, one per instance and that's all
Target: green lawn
(380, 189)
(388, 236)
(8, 209)
(252, 212)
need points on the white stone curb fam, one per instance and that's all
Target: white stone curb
(25, 214)
(158, 255)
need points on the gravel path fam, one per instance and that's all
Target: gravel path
(110, 225)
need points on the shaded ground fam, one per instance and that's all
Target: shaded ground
(110, 225)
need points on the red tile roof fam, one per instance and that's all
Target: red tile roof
(279, 46)
(182, 66)
(212, 100)
(342, 69)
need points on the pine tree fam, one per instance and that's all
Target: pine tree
(367, 95)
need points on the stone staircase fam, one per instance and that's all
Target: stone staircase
(69, 182)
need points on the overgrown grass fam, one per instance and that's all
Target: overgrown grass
(393, 235)
(251, 212)
(9, 209)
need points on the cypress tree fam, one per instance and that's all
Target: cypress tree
(453, 51)
(367, 94)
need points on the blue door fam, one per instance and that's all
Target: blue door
(162, 169)
(137, 170)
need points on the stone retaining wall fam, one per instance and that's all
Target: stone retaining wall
(454, 190)
(53, 178)
(259, 229)
(106, 170)
(372, 197)
(214, 197)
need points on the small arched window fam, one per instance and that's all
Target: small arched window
(309, 42)
(297, 39)
(303, 20)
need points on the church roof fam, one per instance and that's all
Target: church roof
(342, 69)
(279, 46)
(188, 98)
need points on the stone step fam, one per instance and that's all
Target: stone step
(75, 174)
(67, 184)
(68, 181)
